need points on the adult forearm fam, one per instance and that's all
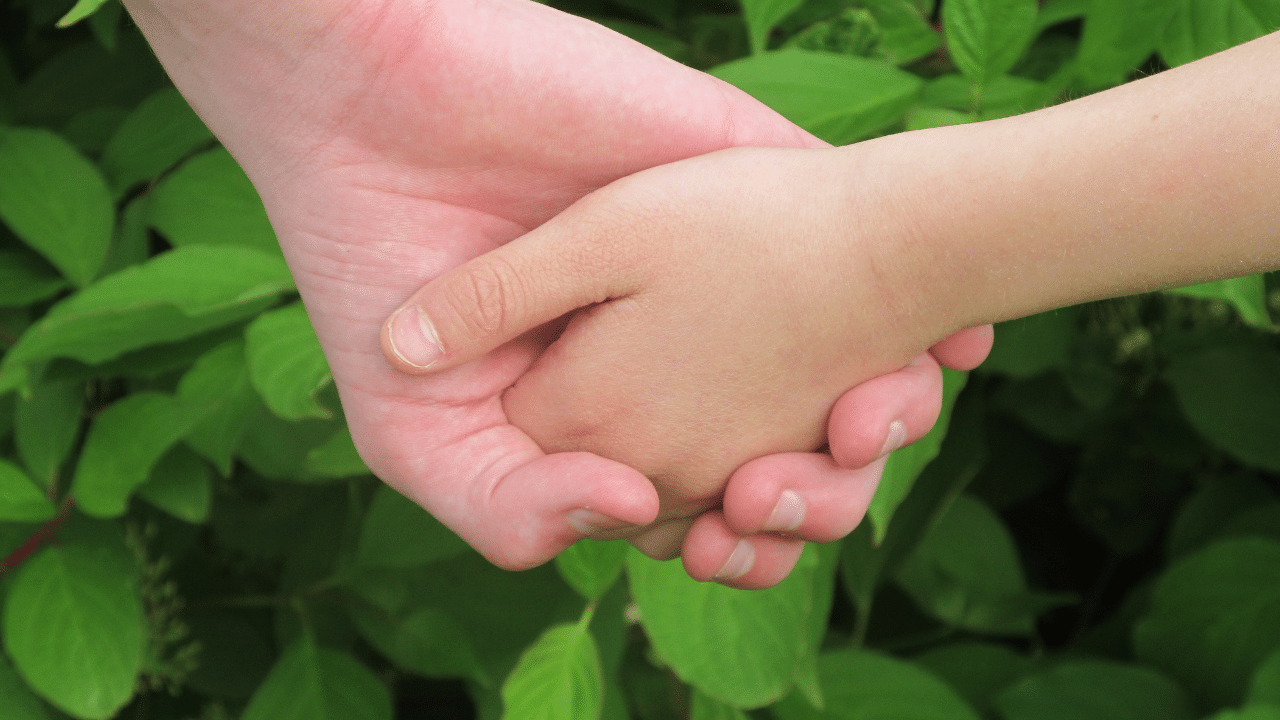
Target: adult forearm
(248, 66)
(1167, 181)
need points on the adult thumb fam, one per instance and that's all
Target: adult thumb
(499, 296)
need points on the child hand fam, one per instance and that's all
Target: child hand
(724, 326)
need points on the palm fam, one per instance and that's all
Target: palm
(440, 136)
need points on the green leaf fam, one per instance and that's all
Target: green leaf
(861, 685)
(977, 671)
(1265, 686)
(1230, 395)
(1001, 96)
(852, 31)
(105, 24)
(1214, 618)
(1203, 27)
(1248, 294)
(131, 243)
(501, 613)
(19, 702)
(280, 449)
(905, 32)
(592, 567)
(219, 384)
(705, 707)
(1046, 404)
(966, 572)
(808, 683)
(8, 89)
(81, 10)
(1123, 499)
(867, 562)
(181, 484)
(557, 678)
(1261, 521)
(85, 651)
(1254, 712)
(13, 323)
(55, 200)
(427, 641)
(1032, 345)
(90, 129)
(20, 499)
(1212, 508)
(737, 646)
(123, 444)
(397, 533)
(1120, 35)
(26, 278)
(7, 405)
(314, 683)
(1095, 690)
(836, 97)
(986, 37)
(762, 15)
(1053, 12)
(904, 466)
(337, 457)
(286, 364)
(87, 76)
(153, 138)
(210, 201)
(925, 118)
(46, 424)
(235, 652)
(660, 40)
(660, 11)
(177, 295)
(1266, 11)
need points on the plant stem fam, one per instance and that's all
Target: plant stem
(862, 619)
(588, 612)
(39, 538)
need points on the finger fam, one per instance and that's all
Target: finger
(805, 496)
(543, 507)
(664, 540)
(502, 294)
(713, 552)
(520, 508)
(885, 413)
(966, 349)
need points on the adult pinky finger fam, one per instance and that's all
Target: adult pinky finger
(806, 496)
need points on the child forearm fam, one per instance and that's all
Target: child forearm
(1167, 181)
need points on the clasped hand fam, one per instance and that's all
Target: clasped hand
(714, 328)
(391, 142)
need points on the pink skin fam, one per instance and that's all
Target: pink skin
(391, 141)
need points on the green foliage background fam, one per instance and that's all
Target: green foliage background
(186, 530)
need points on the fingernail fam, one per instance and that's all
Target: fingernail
(413, 340)
(739, 562)
(897, 436)
(590, 522)
(787, 514)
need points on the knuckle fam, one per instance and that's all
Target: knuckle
(625, 232)
(482, 298)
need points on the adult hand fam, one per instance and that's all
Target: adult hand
(391, 141)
